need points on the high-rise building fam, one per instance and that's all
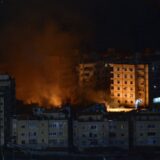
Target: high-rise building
(136, 81)
(129, 83)
(7, 103)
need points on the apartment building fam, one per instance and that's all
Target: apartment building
(41, 130)
(130, 82)
(90, 130)
(7, 103)
(118, 133)
(146, 131)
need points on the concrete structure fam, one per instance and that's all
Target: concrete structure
(118, 133)
(41, 130)
(90, 130)
(87, 73)
(130, 82)
(92, 75)
(7, 103)
(146, 131)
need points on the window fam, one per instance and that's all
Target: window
(117, 68)
(23, 126)
(141, 134)
(131, 82)
(112, 134)
(93, 127)
(125, 76)
(131, 69)
(23, 142)
(151, 133)
(125, 82)
(22, 134)
(118, 95)
(118, 82)
(118, 88)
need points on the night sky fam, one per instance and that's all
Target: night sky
(133, 24)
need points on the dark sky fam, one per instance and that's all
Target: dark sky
(99, 24)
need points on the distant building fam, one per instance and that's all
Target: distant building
(92, 75)
(136, 81)
(130, 82)
(87, 73)
(7, 104)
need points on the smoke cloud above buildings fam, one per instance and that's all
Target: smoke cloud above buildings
(39, 48)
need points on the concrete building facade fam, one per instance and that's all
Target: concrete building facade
(130, 82)
(7, 104)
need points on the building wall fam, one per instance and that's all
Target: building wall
(128, 83)
(58, 133)
(118, 133)
(2, 122)
(90, 134)
(53, 133)
(7, 103)
(147, 131)
(87, 74)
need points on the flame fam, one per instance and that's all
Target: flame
(56, 101)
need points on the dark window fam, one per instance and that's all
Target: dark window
(23, 126)
(112, 134)
(151, 134)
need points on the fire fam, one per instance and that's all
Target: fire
(56, 101)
